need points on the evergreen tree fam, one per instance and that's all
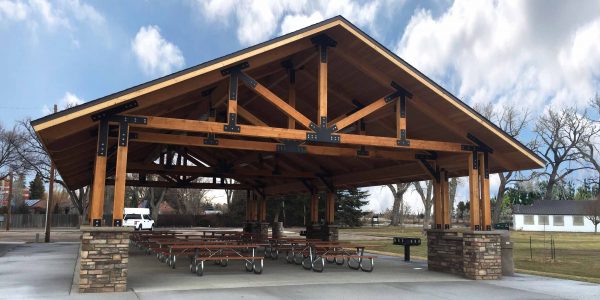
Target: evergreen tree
(37, 189)
(349, 204)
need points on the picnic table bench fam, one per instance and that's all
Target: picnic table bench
(337, 252)
(221, 254)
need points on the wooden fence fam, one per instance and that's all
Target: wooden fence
(39, 220)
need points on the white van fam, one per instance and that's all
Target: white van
(138, 218)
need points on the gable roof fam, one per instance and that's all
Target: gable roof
(553, 207)
(452, 117)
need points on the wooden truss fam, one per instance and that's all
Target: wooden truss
(314, 137)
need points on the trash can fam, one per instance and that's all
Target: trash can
(506, 247)
(277, 230)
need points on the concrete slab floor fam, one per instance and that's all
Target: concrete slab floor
(45, 271)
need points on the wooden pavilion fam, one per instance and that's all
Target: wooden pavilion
(323, 108)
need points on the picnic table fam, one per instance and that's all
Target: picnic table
(320, 252)
(220, 253)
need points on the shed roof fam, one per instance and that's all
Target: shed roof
(553, 207)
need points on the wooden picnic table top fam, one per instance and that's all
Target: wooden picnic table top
(214, 246)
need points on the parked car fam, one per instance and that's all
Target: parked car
(138, 218)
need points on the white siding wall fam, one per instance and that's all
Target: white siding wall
(519, 224)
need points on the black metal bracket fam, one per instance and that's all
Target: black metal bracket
(249, 81)
(291, 146)
(118, 223)
(128, 119)
(430, 156)
(475, 161)
(231, 125)
(323, 41)
(123, 133)
(434, 172)
(103, 138)
(289, 66)
(400, 92)
(115, 110)
(233, 86)
(210, 140)
(403, 141)
(322, 133)
(97, 222)
(482, 146)
(362, 151)
(236, 68)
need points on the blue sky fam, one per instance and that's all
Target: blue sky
(529, 53)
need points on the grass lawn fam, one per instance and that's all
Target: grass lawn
(577, 254)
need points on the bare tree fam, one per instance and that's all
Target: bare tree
(559, 133)
(9, 142)
(592, 210)
(588, 146)
(514, 122)
(34, 157)
(426, 194)
(398, 191)
(452, 187)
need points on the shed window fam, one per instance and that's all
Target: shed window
(577, 220)
(543, 220)
(528, 220)
(558, 220)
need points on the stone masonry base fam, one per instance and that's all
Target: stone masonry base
(103, 259)
(474, 255)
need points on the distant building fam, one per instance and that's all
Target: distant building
(4, 187)
(552, 215)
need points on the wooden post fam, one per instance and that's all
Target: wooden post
(322, 89)
(120, 175)
(446, 205)
(401, 118)
(9, 201)
(438, 204)
(472, 166)
(484, 177)
(49, 202)
(314, 208)
(263, 209)
(330, 214)
(99, 183)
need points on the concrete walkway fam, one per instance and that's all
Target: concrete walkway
(45, 271)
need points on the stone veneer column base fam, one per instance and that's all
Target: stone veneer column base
(472, 254)
(103, 259)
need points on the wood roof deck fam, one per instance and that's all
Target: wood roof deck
(359, 72)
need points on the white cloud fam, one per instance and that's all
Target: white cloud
(526, 53)
(259, 20)
(13, 11)
(155, 55)
(67, 101)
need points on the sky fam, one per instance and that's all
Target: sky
(534, 54)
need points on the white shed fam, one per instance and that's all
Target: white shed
(553, 215)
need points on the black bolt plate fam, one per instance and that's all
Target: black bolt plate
(362, 151)
(115, 110)
(401, 90)
(129, 119)
(211, 140)
(103, 138)
(291, 146)
(233, 85)
(235, 68)
(97, 222)
(323, 39)
(123, 134)
(322, 134)
(118, 223)
(248, 80)
(231, 127)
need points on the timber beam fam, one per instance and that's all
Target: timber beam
(183, 184)
(212, 172)
(288, 146)
(293, 134)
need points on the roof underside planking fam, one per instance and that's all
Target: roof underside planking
(359, 71)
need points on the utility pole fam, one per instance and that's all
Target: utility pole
(49, 201)
(9, 206)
